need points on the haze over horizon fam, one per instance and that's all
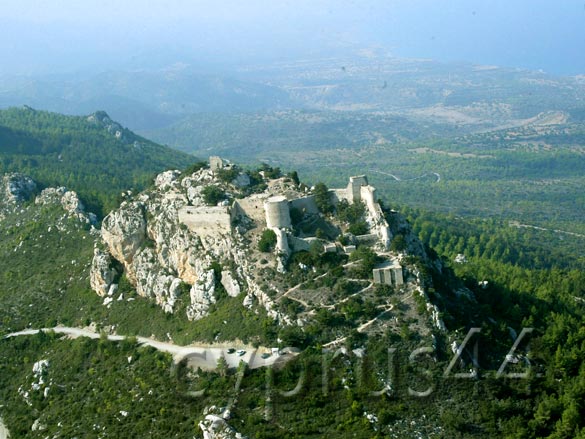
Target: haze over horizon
(64, 36)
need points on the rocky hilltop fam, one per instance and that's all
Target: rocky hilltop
(149, 239)
(18, 188)
(259, 235)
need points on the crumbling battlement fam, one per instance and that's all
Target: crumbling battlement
(274, 210)
(215, 163)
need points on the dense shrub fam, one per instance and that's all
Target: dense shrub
(212, 195)
(267, 241)
(323, 198)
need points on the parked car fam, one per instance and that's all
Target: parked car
(265, 355)
(231, 350)
(241, 352)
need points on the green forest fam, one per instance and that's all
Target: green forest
(520, 277)
(83, 155)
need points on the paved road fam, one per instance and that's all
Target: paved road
(203, 356)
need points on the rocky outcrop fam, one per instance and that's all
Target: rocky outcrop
(17, 188)
(170, 242)
(215, 427)
(157, 255)
(102, 274)
(124, 232)
(166, 179)
(101, 118)
(152, 280)
(230, 284)
(202, 296)
(70, 202)
(162, 257)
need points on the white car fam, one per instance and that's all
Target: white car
(240, 352)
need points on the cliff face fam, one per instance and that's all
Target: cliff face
(163, 257)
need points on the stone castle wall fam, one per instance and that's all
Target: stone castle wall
(253, 207)
(206, 221)
(306, 204)
(354, 187)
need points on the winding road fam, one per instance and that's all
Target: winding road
(436, 174)
(203, 356)
(518, 225)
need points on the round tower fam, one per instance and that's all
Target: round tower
(277, 212)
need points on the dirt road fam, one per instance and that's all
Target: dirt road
(203, 356)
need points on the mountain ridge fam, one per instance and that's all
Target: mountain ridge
(93, 155)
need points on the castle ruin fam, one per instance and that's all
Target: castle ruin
(215, 163)
(390, 273)
(275, 211)
(358, 190)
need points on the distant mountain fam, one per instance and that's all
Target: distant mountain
(93, 155)
(143, 99)
(383, 83)
(152, 99)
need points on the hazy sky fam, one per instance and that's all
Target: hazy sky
(66, 35)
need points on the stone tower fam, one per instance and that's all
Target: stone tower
(215, 163)
(277, 212)
(355, 186)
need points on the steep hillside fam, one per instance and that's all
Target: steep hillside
(93, 155)
(390, 340)
(210, 235)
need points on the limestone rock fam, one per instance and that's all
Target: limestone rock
(17, 187)
(153, 281)
(124, 231)
(51, 196)
(231, 285)
(102, 273)
(215, 427)
(248, 301)
(160, 253)
(69, 201)
(166, 179)
(202, 296)
(38, 426)
(101, 118)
